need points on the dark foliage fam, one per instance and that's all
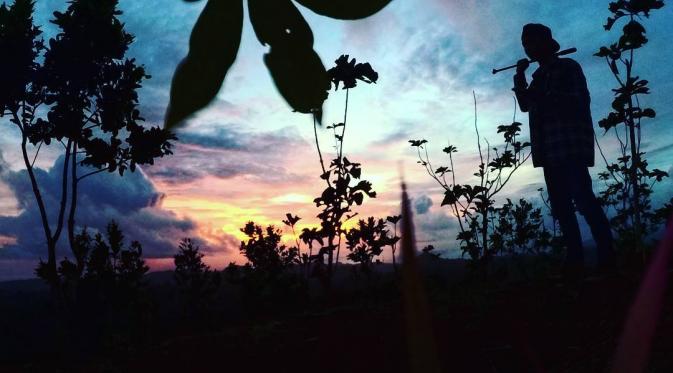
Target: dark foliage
(92, 91)
(78, 92)
(629, 180)
(520, 229)
(106, 302)
(349, 72)
(196, 283)
(264, 251)
(269, 280)
(473, 205)
(366, 241)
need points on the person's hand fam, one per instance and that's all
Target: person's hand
(522, 65)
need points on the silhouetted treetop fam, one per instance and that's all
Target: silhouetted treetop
(20, 47)
(93, 90)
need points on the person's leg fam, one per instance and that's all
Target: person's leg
(558, 188)
(589, 206)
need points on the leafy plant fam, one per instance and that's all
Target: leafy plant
(264, 251)
(270, 261)
(345, 189)
(296, 69)
(104, 262)
(472, 204)
(520, 233)
(520, 229)
(393, 248)
(366, 241)
(79, 93)
(629, 180)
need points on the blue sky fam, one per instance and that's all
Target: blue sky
(248, 156)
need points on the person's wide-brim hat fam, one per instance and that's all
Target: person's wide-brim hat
(540, 32)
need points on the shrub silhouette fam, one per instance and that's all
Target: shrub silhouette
(473, 205)
(264, 251)
(519, 232)
(106, 302)
(269, 279)
(366, 241)
(520, 229)
(196, 283)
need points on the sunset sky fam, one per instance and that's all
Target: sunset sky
(249, 157)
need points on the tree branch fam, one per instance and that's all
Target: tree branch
(32, 164)
(64, 191)
(80, 178)
(38, 196)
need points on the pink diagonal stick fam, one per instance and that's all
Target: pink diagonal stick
(636, 340)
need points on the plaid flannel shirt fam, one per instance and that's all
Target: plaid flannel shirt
(561, 128)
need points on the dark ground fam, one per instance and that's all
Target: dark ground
(500, 325)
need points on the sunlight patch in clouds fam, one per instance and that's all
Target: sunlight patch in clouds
(7, 241)
(292, 198)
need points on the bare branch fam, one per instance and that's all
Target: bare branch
(79, 178)
(32, 164)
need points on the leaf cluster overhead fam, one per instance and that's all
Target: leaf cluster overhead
(296, 69)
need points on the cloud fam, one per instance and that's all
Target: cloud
(131, 200)
(438, 229)
(227, 152)
(422, 204)
(4, 166)
(399, 137)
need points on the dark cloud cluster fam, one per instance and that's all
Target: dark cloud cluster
(438, 229)
(130, 200)
(422, 204)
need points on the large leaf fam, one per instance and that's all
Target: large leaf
(296, 69)
(345, 9)
(279, 23)
(212, 50)
(300, 77)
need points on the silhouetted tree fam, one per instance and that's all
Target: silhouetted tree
(629, 180)
(82, 95)
(295, 67)
(196, 282)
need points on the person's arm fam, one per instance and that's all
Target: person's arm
(521, 86)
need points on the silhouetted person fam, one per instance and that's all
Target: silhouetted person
(562, 141)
